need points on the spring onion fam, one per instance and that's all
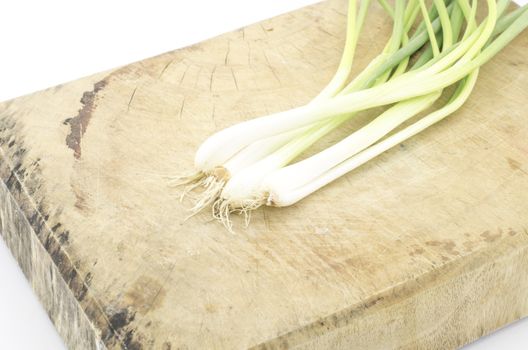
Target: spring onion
(255, 163)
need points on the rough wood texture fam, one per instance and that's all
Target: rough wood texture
(425, 247)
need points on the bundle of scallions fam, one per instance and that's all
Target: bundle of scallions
(431, 47)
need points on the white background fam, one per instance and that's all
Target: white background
(45, 43)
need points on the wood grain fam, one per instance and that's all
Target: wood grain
(426, 247)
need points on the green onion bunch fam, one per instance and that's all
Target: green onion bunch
(431, 48)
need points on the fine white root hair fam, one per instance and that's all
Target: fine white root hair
(201, 188)
(212, 189)
(186, 179)
(223, 208)
(190, 182)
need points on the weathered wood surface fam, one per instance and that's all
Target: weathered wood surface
(425, 247)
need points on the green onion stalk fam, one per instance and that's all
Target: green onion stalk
(254, 163)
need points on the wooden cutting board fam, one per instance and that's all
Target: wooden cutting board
(426, 247)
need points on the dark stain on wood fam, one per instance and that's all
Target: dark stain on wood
(514, 165)
(121, 332)
(80, 201)
(129, 343)
(64, 237)
(447, 245)
(121, 319)
(79, 123)
(145, 294)
(372, 301)
(81, 197)
(490, 237)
